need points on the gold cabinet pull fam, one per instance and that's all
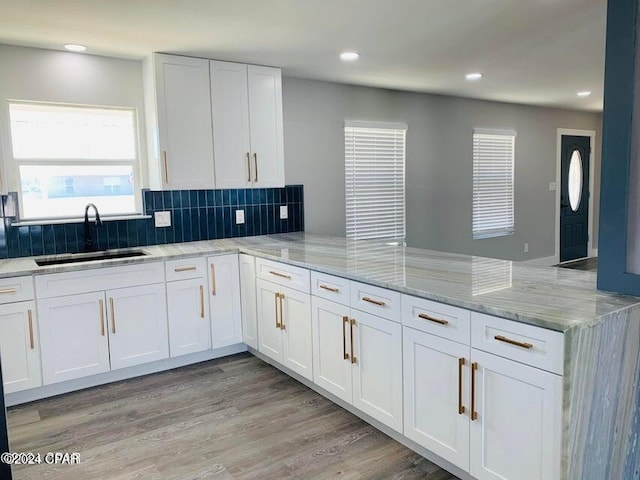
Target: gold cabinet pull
(6, 291)
(255, 164)
(101, 307)
(526, 345)
(380, 303)
(165, 167)
(351, 325)
(282, 312)
(213, 279)
(201, 301)
(248, 167)
(277, 313)
(461, 363)
(32, 343)
(278, 274)
(331, 289)
(185, 269)
(474, 368)
(345, 355)
(433, 319)
(113, 315)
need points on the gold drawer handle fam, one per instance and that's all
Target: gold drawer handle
(380, 303)
(526, 345)
(352, 324)
(113, 315)
(345, 355)
(474, 369)
(278, 274)
(201, 301)
(185, 269)
(331, 289)
(7, 290)
(461, 363)
(166, 167)
(278, 326)
(433, 319)
(248, 167)
(32, 343)
(101, 307)
(213, 279)
(255, 164)
(282, 326)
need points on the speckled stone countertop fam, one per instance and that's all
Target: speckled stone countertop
(554, 298)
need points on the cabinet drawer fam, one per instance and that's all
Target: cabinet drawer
(437, 318)
(523, 343)
(16, 289)
(332, 288)
(93, 280)
(185, 268)
(283, 274)
(375, 300)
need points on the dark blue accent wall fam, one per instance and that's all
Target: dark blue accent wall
(195, 215)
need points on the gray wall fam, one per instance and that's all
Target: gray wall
(439, 162)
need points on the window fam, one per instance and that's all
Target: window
(493, 165)
(374, 177)
(68, 156)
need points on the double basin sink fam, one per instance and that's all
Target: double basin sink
(87, 257)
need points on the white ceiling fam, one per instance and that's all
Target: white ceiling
(531, 51)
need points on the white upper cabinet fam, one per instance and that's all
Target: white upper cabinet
(247, 125)
(178, 117)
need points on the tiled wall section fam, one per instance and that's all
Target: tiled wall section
(195, 215)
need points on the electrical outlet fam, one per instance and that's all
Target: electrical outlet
(284, 212)
(162, 219)
(526, 248)
(552, 186)
(239, 217)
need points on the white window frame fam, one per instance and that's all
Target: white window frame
(352, 128)
(483, 164)
(14, 182)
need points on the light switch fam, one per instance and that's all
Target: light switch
(239, 217)
(284, 212)
(162, 219)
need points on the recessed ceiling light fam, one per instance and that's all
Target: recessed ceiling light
(473, 76)
(349, 56)
(586, 93)
(72, 47)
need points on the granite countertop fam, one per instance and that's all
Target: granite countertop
(555, 298)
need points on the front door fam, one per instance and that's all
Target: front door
(574, 197)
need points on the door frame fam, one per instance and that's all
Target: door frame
(591, 252)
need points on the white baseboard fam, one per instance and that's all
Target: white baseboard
(542, 261)
(46, 391)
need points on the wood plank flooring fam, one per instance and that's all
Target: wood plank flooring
(235, 418)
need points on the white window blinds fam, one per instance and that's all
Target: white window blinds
(493, 170)
(375, 180)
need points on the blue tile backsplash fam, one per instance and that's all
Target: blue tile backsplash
(195, 215)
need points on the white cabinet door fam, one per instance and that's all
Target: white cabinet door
(230, 110)
(436, 395)
(270, 333)
(184, 122)
(331, 347)
(189, 321)
(138, 331)
(73, 335)
(518, 430)
(377, 376)
(224, 296)
(19, 347)
(266, 126)
(295, 316)
(248, 298)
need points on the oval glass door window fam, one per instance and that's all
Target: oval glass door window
(575, 180)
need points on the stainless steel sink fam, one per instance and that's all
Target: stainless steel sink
(87, 257)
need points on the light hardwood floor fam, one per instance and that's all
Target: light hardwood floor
(235, 418)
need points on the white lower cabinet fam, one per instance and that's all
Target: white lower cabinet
(358, 358)
(436, 395)
(189, 323)
(248, 300)
(19, 347)
(224, 300)
(518, 431)
(284, 321)
(73, 333)
(138, 325)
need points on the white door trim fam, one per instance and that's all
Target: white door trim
(591, 252)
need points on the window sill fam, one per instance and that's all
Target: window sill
(58, 221)
(502, 233)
